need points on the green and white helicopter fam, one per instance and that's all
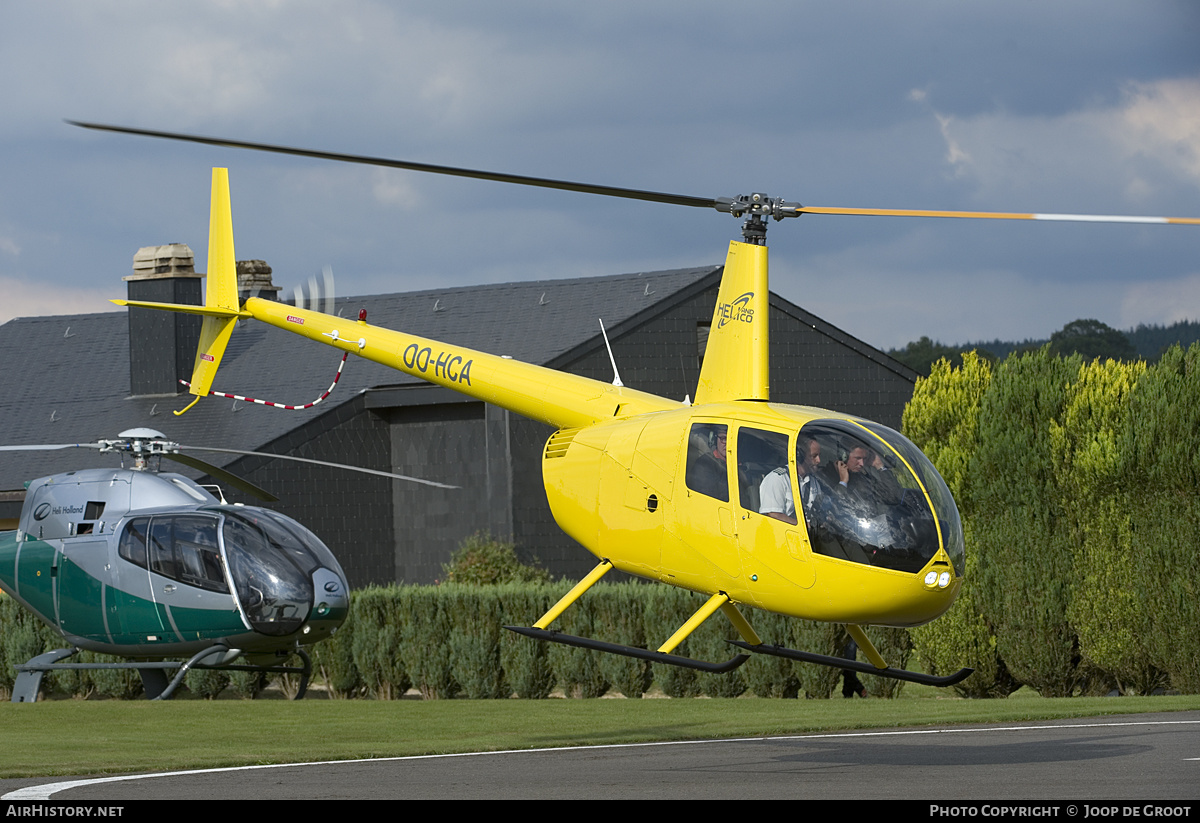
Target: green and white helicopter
(153, 567)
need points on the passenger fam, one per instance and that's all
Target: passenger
(848, 471)
(775, 492)
(884, 484)
(707, 472)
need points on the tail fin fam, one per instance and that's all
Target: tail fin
(735, 357)
(220, 309)
(221, 290)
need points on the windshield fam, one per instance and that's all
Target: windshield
(873, 500)
(271, 566)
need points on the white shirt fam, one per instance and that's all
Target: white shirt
(775, 494)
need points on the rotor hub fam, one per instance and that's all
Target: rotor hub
(759, 207)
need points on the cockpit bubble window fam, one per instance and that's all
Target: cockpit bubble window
(935, 487)
(309, 544)
(707, 465)
(872, 508)
(268, 565)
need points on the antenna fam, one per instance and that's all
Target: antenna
(611, 359)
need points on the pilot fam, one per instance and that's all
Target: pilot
(775, 491)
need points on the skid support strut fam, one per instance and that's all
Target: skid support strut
(540, 630)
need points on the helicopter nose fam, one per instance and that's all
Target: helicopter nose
(332, 597)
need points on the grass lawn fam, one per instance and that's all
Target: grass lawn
(77, 737)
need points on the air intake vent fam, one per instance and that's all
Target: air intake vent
(559, 442)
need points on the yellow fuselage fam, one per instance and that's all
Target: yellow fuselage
(618, 470)
(618, 488)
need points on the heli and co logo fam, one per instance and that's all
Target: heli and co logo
(41, 512)
(294, 319)
(738, 310)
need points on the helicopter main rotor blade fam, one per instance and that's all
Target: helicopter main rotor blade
(737, 206)
(51, 447)
(325, 463)
(1001, 215)
(518, 179)
(217, 472)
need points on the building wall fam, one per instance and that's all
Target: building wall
(167, 341)
(446, 443)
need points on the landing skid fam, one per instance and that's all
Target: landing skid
(631, 651)
(750, 641)
(29, 674)
(854, 665)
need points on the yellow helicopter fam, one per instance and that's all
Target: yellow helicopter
(792, 509)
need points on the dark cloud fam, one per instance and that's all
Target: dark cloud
(1069, 106)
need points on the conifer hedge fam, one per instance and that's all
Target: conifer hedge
(1077, 486)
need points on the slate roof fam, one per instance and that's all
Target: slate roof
(65, 379)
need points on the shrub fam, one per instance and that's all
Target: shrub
(481, 560)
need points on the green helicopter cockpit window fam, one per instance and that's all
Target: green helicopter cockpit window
(271, 570)
(870, 506)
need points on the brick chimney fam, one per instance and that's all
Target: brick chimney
(254, 280)
(162, 344)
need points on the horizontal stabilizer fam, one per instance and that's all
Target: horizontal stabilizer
(207, 311)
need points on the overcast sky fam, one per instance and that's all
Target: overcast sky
(1079, 106)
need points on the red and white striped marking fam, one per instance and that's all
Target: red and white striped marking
(328, 391)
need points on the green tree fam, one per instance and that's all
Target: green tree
(921, 355)
(1086, 446)
(1161, 468)
(1025, 564)
(1091, 339)
(943, 420)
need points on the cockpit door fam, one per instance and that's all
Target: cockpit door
(703, 526)
(770, 511)
(80, 593)
(134, 608)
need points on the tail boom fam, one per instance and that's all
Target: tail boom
(557, 398)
